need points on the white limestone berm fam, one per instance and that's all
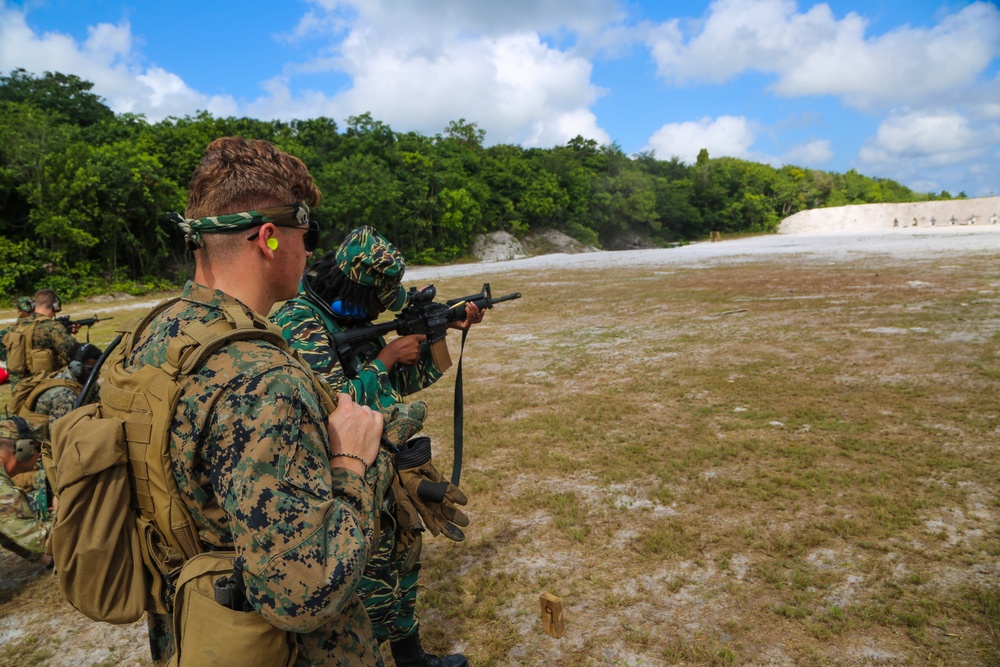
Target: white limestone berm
(982, 211)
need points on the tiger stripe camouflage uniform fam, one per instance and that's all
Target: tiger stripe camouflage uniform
(389, 595)
(251, 457)
(50, 335)
(22, 530)
(389, 586)
(374, 386)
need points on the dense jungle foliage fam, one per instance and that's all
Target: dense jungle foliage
(84, 191)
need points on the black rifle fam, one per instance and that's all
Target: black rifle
(420, 315)
(83, 321)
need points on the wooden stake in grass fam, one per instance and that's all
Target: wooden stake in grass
(552, 616)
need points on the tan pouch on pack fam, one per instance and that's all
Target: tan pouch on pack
(42, 361)
(94, 541)
(16, 361)
(208, 633)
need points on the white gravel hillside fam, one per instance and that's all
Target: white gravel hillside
(934, 214)
(830, 246)
(900, 230)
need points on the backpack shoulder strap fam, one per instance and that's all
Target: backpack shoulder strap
(198, 341)
(29, 334)
(131, 329)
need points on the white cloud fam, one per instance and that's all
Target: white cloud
(419, 65)
(416, 65)
(730, 136)
(814, 53)
(439, 17)
(514, 87)
(931, 150)
(932, 139)
(810, 154)
(105, 58)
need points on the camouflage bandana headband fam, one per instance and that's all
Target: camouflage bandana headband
(295, 215)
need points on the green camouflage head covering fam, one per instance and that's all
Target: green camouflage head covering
(25, 304)
(295, 215)
(367, 258)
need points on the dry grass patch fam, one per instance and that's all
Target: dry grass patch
(752, 464)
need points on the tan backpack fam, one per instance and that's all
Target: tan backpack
(122, 533)
(22, 357)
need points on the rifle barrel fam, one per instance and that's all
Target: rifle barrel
(507, 297)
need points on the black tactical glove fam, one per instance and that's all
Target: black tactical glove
(434, 497)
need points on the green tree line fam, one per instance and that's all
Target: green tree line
(84, 191)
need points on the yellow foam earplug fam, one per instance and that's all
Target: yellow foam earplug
(272, 243)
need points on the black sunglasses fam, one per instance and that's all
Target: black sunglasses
(310, 239)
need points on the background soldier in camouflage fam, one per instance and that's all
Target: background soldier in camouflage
(260, 464)
(21, 529)
(58, 400)
(58, 394)
(49, 334)
(360, 281)
(25, 306)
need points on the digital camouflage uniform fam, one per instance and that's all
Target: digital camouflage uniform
(50, 335)
(54, 403)
(389, 593)
(251, 458)
(58, 400)
(21, 529)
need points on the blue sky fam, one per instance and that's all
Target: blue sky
(908, 90)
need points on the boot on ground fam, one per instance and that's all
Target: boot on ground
(409, 653)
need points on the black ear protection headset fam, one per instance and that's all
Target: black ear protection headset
(76, 366)
(25, 446)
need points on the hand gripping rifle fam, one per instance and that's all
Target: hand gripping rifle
(420, 315)
(83, 322)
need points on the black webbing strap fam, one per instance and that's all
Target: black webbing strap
(456, 471)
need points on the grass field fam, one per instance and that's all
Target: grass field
(776, 463)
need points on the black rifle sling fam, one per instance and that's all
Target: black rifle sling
(456, 470)
(92, 378)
